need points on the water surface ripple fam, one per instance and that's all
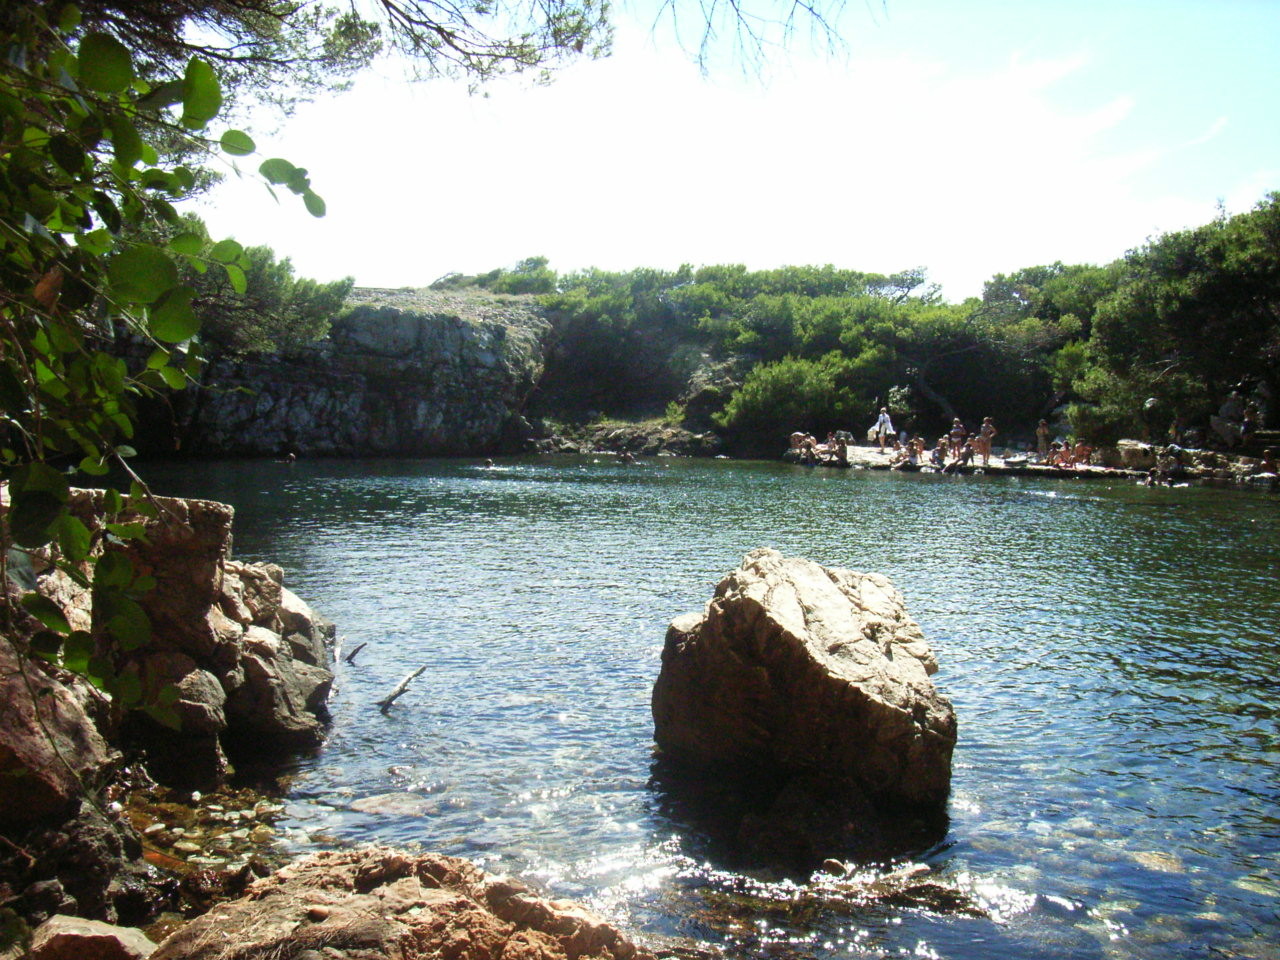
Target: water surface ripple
(1111, 651)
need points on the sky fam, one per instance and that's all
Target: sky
(969, 138)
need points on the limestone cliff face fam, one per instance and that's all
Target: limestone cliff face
(410, 373)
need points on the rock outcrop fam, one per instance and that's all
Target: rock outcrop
(797, 668)
(408, 373)
(241, 658)
(245, 656)
(795, 718)
(376, 902)
(50, 749)
(646, 439)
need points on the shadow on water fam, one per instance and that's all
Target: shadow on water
(784, 826)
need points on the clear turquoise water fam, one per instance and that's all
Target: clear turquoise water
(1111, 651)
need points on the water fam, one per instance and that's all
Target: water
(1111, 651)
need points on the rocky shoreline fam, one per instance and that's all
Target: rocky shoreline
(99, 859)
(1129, 459)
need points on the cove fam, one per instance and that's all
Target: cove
(1110, 650)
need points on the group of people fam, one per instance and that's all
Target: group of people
(953, 450)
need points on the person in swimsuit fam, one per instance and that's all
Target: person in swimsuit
(985, 433)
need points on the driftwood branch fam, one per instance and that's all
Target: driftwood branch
(385, 703)
(351, 657)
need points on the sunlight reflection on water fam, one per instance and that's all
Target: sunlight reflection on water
(1110, 649)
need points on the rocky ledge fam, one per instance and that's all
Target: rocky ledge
(650, 438)
(401, 372)
(816, 681)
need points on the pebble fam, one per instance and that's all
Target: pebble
(186, 846)
(155, 828)
(262, 835)
(246, 814)
(178, 831)
(240, 834)
(318, 912)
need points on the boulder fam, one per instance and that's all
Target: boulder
(800, 671)
(306, 632)
(1132, 455)
(71, 938)
(84, 865)
(49, 747)
(377, 902)
(280, 701)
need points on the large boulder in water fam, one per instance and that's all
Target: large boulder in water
(796, 670)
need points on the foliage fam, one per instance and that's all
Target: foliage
(276, 310)
(81, 189)
(778, 396)
(1193, 314)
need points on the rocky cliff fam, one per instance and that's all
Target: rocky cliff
(402, 372)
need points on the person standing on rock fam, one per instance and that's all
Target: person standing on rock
(883, 427)
(985, 433)
(1043, 433)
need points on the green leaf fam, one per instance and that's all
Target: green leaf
(239, 282)
(129, 625)
(315, 205)
(226, 251)
(74, 538)
(69, 18)
(97, 242)
(128, 689)
(187, 243)
(32, 516)
(299, 182)
(67, 154)
(46, 611)
(77, 651)
(39, 498)
(94, 467)
(277, 170)
(112, 502)
(105, 64)
(141, 274)
(164, 95)
(172, 319)
(129, 531)
(159, 357)
(125, 141)
(201, 95)
(238, 143)
(164, 715)
(139, 503)
(113, 569)
(46, 644)
(173, 378)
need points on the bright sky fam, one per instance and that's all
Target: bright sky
(969, 138)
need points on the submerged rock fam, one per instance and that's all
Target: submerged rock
(378, 902)
(811, 686)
